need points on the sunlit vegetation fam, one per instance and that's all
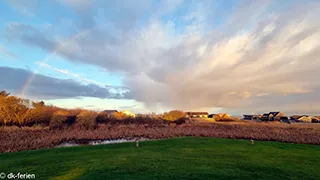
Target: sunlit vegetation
(174, 115)
(30, 125)
(19, 112)
(87, 120)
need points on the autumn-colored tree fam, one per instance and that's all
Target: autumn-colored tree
(75, 112)
(13, 110)
(87, 119)
(59, 119)
(119, 115)
(41, 114)
(103, 117)
(223, 117)
(3, 95)
(22, 109)
(173, 115)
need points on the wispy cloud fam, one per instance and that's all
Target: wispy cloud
(79, 77)
(7, 53)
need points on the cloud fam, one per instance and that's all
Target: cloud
(30, 35)
(262, 52)
(7, 53)
(44, 87)
(80, 78)
(25, 7)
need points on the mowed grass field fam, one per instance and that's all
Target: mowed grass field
(178, 158)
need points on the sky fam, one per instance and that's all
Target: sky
(238, 57)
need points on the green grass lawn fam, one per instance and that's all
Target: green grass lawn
(179, 158)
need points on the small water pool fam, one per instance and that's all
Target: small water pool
(85, 142)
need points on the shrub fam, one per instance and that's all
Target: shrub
(173, 115)
(59, 119)
(119, 116)
(225, 118)
(181, 120)
(75, 112)
(129, 120)
(102, 117)
(107, 118)
(41, 115)
(87, 119)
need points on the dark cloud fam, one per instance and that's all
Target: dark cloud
(30, 35)
(44, 87)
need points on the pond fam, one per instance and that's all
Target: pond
(88, 142)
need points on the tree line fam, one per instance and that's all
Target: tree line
(15, 111)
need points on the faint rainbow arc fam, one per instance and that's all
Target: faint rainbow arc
(54, 52)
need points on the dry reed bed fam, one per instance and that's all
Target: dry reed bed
(18, 139)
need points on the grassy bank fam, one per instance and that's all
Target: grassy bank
(183, 158)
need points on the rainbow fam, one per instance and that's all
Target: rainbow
(82, 33)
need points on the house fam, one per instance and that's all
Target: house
(197, 114)
(265, 117)
(250, 117)
(308, 119)
(274, 116)
(296, 117)
(305, 119)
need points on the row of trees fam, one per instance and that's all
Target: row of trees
(22, 112)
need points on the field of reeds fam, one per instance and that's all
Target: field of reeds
(30, 138)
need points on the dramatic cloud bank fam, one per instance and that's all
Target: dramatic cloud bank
(257, 56)
(44, 87)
